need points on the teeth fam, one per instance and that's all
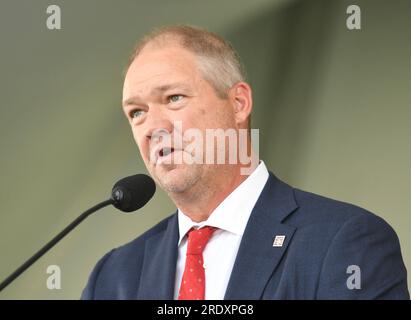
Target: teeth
(166, 151)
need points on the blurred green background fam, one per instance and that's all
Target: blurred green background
(332, 105)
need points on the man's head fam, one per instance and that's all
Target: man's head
(187, 75)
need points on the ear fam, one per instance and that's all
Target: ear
(242, 101)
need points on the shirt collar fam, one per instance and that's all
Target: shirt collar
(233, 212)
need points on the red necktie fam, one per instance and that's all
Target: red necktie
(193, 282)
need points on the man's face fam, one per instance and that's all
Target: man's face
(164, 85)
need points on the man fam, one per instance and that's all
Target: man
(234, 235)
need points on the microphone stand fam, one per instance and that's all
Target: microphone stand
(51, 244)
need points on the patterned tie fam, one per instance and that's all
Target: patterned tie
(193, 282)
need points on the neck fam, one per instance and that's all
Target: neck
(200, 201)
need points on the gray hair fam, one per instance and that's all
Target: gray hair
(218, 62)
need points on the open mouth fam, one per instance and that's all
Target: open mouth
(165, 152)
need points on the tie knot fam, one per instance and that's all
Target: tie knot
(198, 238)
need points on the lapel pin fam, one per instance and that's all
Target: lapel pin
(278, 241)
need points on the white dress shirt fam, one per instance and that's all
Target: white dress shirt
(230, 217)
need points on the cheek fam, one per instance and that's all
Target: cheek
(226, 115)
(216, 115)
(141, 142)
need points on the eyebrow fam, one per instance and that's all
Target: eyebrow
(157, 90)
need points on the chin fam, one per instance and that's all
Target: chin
(177, 179)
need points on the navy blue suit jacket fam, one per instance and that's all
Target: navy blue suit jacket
(323, 238)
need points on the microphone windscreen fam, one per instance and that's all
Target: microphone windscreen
(133, 192)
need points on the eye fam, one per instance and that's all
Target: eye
(136, 113)
(175, 97)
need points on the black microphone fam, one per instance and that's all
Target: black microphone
(132, 193)
(128, 194)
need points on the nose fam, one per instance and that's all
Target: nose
(156, 122)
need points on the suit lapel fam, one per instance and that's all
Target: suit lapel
(159, 267)
(257, 258)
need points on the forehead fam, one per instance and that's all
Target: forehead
(155, 67)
